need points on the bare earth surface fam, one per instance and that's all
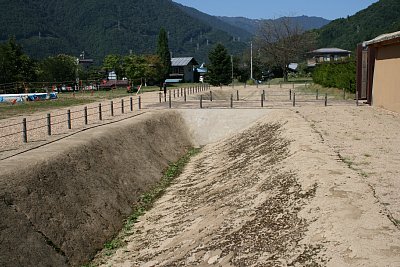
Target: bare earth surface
(301, 187)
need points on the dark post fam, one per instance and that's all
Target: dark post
(290, 94)
(317, 95)
(165, 96)
(85, 115)
(263, 95)
(160, 96)
(140, 103)
(184, 95)
(237, 95)
(122, 106)
(112, 108)
(48, 124)
(262, 100)
(69, 119)
(201, 101)
(169, 98)
(24, 131)
(326, 100)
(174, 94)
(294, 99)
(211, 98)
(131, 103)
(100, 115)
(231, 100)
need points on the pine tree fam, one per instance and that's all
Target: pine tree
(163, 53)
(220, 69)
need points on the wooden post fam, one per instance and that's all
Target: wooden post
(326, 100)
(24, 131)
(160, 97)
(231, 100)
(317, 95)
(122, 106)
(169, 98)
(140, 103)
(184, 96)
(85, 113)
(294, 99)
(201, 101)
(131, 103)
(262, 100)
(100, 114)
(290, 94)
(237, 95)
(174, 94)
(211, 96)
(48, 124)
(263, 95)
(69, 119)
(112, 108)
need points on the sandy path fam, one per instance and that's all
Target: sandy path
(276, 194)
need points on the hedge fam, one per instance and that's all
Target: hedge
(337, 75)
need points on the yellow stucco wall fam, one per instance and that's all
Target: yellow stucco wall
(386, 87)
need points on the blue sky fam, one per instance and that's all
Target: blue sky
(329, 9)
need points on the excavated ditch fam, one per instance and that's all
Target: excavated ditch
(61, 202)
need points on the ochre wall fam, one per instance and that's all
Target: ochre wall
(386, 88)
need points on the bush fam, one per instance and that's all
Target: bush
(337, 75)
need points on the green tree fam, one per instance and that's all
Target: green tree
(14, 64)
(220, 68)
(164, 53)
(59, 68)
(114, 63)
(143, 68)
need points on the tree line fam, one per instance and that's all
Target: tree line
(16, 66)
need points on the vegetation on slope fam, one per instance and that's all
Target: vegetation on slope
(379, 18)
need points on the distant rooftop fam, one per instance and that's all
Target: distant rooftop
(182, 61)
(330, 51)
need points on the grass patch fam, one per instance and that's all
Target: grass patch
(146, 202)
(336, 93)
(291, 80)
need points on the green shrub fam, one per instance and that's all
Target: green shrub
(337, 75)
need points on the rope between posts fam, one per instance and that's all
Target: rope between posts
(11, 134)
(10, 125)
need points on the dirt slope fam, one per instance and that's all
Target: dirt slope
(60, 203)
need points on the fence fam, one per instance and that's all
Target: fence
(41, 127)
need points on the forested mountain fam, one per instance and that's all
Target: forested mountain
(252, 25)
(100, 27)
(379, 18)
(236, 31)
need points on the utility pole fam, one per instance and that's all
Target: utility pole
(251, 60)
